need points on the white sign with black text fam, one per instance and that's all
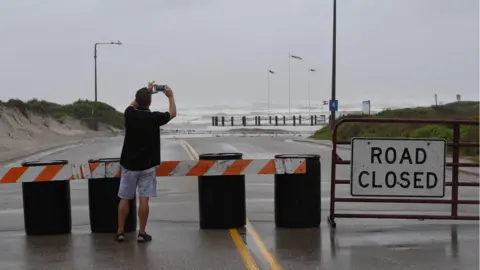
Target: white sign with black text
(398, 167)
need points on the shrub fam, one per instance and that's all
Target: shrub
(466, 110)
(433, 131)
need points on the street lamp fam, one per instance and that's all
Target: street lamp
(290, 56)
(95, 124)
(268, 93)
(334, 62)
(309, 72)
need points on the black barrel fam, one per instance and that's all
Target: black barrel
(46, 205)
(103, 203)
(221, 198)
(297, 196)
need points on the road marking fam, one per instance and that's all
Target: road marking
(190, 151)
(242, 249)
(260, 244)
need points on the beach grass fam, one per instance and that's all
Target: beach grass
(80, 109)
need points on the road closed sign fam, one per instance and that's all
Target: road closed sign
(398, 167)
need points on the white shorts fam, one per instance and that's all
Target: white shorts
(146, 182)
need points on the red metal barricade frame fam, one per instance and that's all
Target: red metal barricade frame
(454, 184)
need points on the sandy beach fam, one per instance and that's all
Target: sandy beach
(26, 134)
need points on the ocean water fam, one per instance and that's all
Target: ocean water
(200, 116)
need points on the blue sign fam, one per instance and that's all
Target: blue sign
(333, 105)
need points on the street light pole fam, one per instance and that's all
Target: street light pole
(310, 70)
(289, 82)
(268, 89)
(268, 82)
(334, 61)
(94, 111)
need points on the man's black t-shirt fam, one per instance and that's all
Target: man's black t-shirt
(141, 145)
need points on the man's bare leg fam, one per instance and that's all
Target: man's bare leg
(147, 188)
(123, 209)
(143, 212)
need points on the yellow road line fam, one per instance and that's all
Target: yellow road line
(263, 249)
(190, 151)
(243, 250)
(237, 240)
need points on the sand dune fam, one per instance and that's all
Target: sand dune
(24, 134)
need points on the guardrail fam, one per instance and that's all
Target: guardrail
(272, 120)
(221, 180)
(426, 156)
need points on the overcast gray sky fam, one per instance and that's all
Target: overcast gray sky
(218, 51)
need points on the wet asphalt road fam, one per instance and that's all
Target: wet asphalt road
(179, 244)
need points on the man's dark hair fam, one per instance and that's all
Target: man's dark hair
(143, 97)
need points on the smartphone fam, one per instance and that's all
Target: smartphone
(158, 88)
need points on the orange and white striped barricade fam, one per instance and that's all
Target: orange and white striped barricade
(231, 167)
(38, 171)
(103, 186)
(298, 196)
(110, 168)
(46, 204)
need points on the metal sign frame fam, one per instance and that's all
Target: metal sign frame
(454, 201)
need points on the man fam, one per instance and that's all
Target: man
(140, 155)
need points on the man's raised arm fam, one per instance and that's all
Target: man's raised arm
(163, 118)
(172, 107)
